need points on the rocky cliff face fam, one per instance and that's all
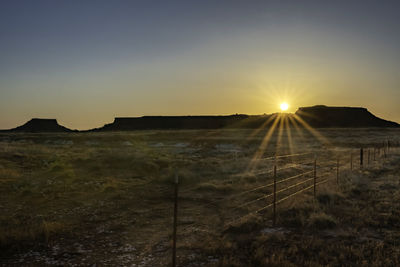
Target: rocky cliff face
(41, 126)
(323, 116)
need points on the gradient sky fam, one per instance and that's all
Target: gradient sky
(86, 62)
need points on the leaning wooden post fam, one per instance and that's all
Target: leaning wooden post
(274, 218)
(361, 158)
(175, 221)
(315, 177)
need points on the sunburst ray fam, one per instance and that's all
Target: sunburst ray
(263, 146)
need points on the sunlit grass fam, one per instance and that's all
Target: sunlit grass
(98, 184)
(283, 123)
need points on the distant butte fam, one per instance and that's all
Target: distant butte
(341, 117)
(316, 116)
(40, 126)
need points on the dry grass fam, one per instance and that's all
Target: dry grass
(107, 192)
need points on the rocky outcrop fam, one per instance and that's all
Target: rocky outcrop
(40, 126)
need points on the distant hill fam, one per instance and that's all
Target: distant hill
(317, 116)
(40, 126)
(346, 117)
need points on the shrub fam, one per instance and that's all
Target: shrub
(322, 221)
(245, 225)
(214, 187)
(328, 198)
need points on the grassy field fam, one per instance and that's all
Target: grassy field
(107, 199)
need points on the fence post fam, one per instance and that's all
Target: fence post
(337, 171)
(175, 221)
(361, 158)
(374, 153)
(274, 218)
(351, 161)
(315, 177)
(388, 146)
(384, 150)
(369, 155)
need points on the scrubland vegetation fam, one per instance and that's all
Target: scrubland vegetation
(107, 198)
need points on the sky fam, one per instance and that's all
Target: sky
(86, 62)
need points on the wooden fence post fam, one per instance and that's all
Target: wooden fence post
(315, 177)
(361, 158)
(351, 161)
(337, 171)
(374, 153)
(175, 221)
(384, 151)
(369, 155)
(274, 218)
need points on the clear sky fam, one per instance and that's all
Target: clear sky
(86, 62)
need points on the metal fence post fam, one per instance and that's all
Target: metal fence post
(175, 221)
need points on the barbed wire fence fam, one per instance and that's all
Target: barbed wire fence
(279, 189)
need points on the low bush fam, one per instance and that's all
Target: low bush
(322, 221)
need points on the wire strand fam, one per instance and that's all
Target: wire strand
(271, 194)
(279, 201)
(285, 156)
(293, 177)
(255, 189)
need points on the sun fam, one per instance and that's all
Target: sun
(284, 106)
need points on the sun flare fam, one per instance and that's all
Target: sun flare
(284, 106)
